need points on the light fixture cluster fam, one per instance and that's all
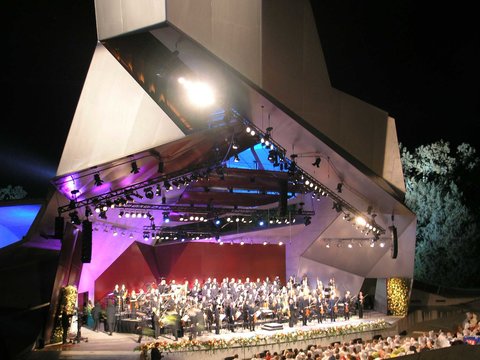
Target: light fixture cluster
(192, 218)
(135, 215)
(299, 177)
(351, 243)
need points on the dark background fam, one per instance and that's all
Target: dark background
(416, 60)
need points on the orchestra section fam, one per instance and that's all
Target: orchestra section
(203, 288)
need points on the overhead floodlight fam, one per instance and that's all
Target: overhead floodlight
(135, 169)
(97, 180)
(199, 93)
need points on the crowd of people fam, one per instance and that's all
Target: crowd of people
(382, 348)
(211, 305)
(378, 348)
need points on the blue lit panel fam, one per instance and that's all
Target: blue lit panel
(256, 159)
(15, 221)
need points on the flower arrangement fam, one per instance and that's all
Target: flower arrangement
(68, 298)
(397, 296)
(215, 344)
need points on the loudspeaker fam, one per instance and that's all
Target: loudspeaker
(283, 197)
(59, 226)
(86, 241)
(393, 231)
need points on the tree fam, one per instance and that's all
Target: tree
(12, 193)
(439, 184)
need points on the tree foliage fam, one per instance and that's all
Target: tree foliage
(12, 193)
(440, 186)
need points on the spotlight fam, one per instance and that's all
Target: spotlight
(217, 221)
(280, 243)
(72, 205)
(199, 93)
(161, 166)
(265, 243)
(120, 214)
(97, 180)
(234, 145)
(317, 162)
(327, 246)
(88, 212)
(308, 220)
(149, 193)
(103, 215)
(339, 187)
(135, 169)
(146, 236)
(261, 223)
(236, 158)
(167, 185)
(74, 219)
(337, 207)
(166, 218)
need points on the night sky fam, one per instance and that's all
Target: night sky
(419, 63)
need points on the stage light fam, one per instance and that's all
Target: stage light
(135, 169)
(149, 193)
(339, 187)
(167, 185)
(146, 236)
(327, 246)
(103, 215)
(120, 214)
(350, 245)
(74, 219)
(217, 221)
(199, 93)
(261, 223)
(72, 205)
(242, 243)
(160, 167)
(265, 243)
(234, 145)
(236, 158)
(97, 180)
(317, 162)
(166, 217)
(115, 233)
(360, 221)
(308, 220)
(88, 212)
(337, 207)
(382, 244)
(280, 243)
(104, 207)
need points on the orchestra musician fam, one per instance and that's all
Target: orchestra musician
(133, 304)
(117, 297)
(251, 316)
(123, 297)
(346, 305)
(360, 300)
(320, 307)
(291, 312)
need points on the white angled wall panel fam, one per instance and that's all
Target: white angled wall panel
(114, 118)
(116, 17)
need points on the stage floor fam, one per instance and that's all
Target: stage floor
(121, 345)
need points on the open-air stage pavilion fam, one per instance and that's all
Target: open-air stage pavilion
(271, 172)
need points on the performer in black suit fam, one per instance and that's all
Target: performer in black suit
(360, 300)
(332, 306)
(110, 317)
(291, 312)
(155, 323)
(251, 316)
(346, 305)
(230, 314)
(216, 315)
(245, 314)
